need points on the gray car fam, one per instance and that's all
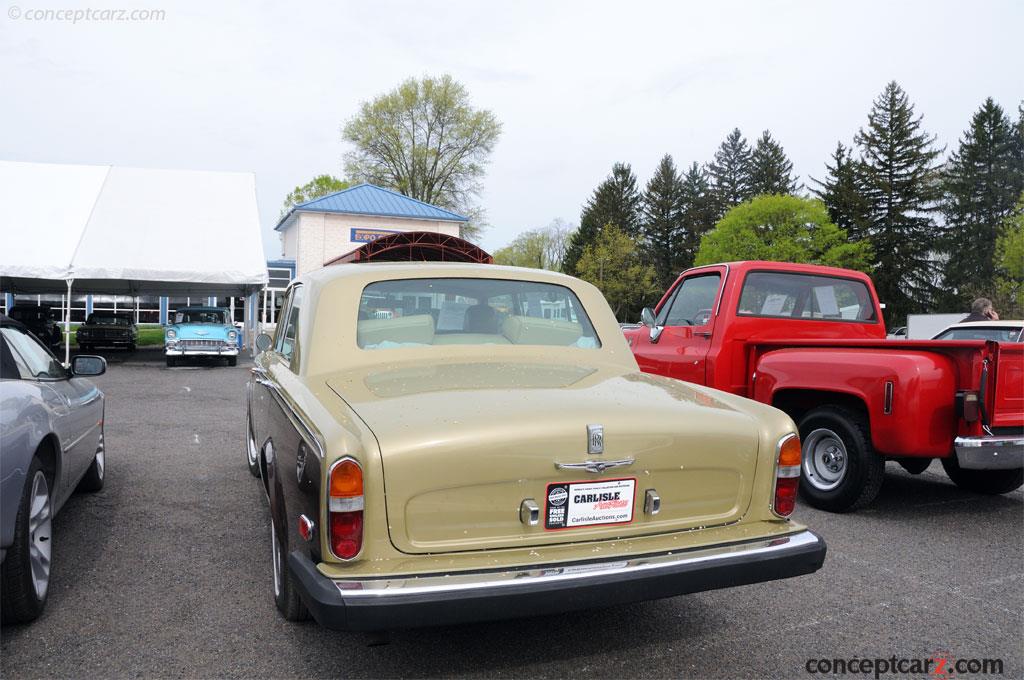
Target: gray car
(51, 442)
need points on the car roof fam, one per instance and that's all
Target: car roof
(1009, 323)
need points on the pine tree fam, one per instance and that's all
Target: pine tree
(616, 201)
(898, 177)
(699, 213)
(730, 172)
(983, 180)
(771, 171)
(846, 204)
(662, 224)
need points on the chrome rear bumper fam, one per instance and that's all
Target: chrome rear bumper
(441, 599)
(996, 452)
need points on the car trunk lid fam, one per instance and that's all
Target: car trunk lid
(463, 445)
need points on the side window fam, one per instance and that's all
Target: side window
(290, 332)
(693, 302)
(31, 358)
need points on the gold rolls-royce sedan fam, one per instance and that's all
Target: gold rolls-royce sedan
(443, 443)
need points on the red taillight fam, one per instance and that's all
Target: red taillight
(787, 475)
(345, 508)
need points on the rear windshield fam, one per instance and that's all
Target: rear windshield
(425, 312)
(969, 333)
(805, 296)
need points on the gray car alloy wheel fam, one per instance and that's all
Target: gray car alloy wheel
(40, 544)
(825, 459)
(100, 457)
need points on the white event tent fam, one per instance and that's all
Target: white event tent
(130, 231)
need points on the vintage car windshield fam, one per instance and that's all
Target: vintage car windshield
(805, 296)
(996, 334)
(107, 320)
(451, 311)
(203, 316)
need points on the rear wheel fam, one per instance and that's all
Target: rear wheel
(232, 361)
(285, 595)
(841, 471)
(94, 476)
(992, 482)
(25, 579)
(172, 362)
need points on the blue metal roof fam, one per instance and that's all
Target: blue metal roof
(369, 199)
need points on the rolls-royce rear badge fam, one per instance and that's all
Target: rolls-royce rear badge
(595, 439)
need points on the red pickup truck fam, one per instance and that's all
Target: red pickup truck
(810, 340)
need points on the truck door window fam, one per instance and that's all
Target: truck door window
(805, 296)
(692, 303)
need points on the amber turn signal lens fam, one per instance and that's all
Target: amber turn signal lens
(789, 453)
(346, 480)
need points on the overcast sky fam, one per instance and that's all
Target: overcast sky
(265, 86)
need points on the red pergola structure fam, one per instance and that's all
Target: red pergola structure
(417, 246)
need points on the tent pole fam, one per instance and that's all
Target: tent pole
(67, 327)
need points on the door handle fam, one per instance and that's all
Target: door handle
(703, 334)
(597, 466)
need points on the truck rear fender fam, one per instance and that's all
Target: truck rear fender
(906, 397)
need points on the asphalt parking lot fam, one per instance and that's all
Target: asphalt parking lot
(166, 572)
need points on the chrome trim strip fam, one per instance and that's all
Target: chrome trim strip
(597, 466)
(298, 420)
(345, 504)
(529, 577)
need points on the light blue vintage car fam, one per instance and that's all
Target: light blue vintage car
(201, 331)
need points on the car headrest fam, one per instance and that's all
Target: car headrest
(417, 329)
(528, 330)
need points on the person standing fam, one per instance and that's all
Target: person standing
(982, 310)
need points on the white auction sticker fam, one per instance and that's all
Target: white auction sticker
(580, 504)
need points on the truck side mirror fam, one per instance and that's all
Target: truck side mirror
(648, 319)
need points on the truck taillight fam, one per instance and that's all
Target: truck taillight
(787, 475)
(345, 508)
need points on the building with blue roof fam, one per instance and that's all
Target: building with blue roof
(318, 231)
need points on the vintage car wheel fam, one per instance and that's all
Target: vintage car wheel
(26, 568)
(131, 347)
(232, 361)
(992, 482)
(172, 362)
(251, 453)
(841, 472)
(93, 479)
(285, 595)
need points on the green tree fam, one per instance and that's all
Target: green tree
(1009, 255)
(616, 200)
(699, 213)
(542, 248)
(899, 179)
(782, 228)
(662, 221)
(424, 139)
(730, 172)
(983, 181)
(612, 263)
(771, 171)
(842, 194)
(319, 186)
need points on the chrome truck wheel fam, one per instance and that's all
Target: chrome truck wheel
(840, 469)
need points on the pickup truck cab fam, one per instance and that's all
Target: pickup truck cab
(811, 341)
